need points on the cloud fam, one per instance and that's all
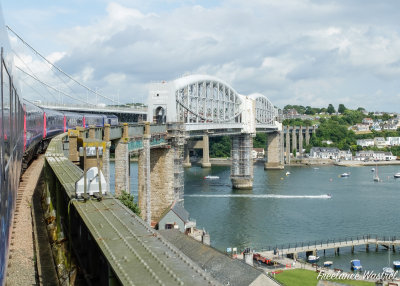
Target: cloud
(294, 51)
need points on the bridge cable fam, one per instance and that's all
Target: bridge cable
(53, 88)
(57, 68)
(36, 77)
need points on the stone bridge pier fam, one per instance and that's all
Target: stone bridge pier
(242, 162)
(160, 180)
(274, 151)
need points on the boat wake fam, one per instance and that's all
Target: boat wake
(266, 196)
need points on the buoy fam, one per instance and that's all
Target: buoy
(281, 178)
(330, 180)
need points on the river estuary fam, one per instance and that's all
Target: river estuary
(285, 209)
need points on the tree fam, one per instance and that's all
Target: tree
(260, 141)
(128, 200)
(330, 109)
(341, 108)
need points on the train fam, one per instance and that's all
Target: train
(25, 130)
(41, 124)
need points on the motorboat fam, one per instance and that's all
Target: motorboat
(396, 264)
(387, 270)
(397, 175)
(287, 173)
(312, 258)
(345, 175)
(329, 196)
(328, 263)
(211, 177)
(373, 170)
(356, 265)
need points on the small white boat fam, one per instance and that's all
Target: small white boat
(211, 177)
(312, 258)
(345, 175)
(316, 168)
(328, 263)
(287, 173)
(396, 264)
(397, 175)
(373, 170)
(387, 270)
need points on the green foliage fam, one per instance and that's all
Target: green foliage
(128, 200)
(297, 122)
(330, 109)
(260, 141)
(294, 152)
(220, 147)
(341, 108)
(299, 108)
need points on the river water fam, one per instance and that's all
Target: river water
(285, 209)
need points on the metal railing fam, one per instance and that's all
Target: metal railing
(360, 239)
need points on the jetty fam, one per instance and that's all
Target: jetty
(292, 250)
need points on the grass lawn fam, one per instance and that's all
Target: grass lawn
(303, 277)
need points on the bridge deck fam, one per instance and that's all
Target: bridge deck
(137, 254)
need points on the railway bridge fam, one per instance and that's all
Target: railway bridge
(207, 106)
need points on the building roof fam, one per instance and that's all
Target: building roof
(222, 268)
(179, 210)
(325, 149)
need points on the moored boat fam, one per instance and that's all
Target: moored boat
(211, 177)
(328, 263)
(397, 175)
(356, 265)
(287, 173)
(387, 270)
(396, 264)
(312, 258)
(345, 175)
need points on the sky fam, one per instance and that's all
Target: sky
(293, 51)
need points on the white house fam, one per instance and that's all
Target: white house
(376, 126)
(368, 121)
(384, 156)
(393, 141)
(324, 153)
(345, 155)
(362, 127)
(364, 155)
(365, 142)
(258, 153)
(380, 142)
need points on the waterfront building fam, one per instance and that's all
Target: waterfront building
(370, 155)
(345, 155)
(364, 155)
(176, 217)
(324, 153)
(258, 153)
